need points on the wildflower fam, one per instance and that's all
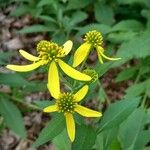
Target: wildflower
(50, 54)
(93, 39)
(67, 103)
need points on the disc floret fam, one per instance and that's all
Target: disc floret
(66, 103)
(49, 50)
(94, 37)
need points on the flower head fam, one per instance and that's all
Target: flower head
(93, 39)
(67, 103)
(92, 73)
(50, 54)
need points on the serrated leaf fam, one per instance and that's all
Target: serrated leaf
(136, 48)
(126, 74)
(85, 138)
(117, 113)
(52, 129)
(131, 128)
(12, 117)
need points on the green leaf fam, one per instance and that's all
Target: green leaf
(61, 142)
(21, 10)
(36, 28)
(142, 140)
(107, 137)
(119, 37)
(85, 138)
(137, 89)
(13, 80)
(131, 128)
(136, 48)
(127, 25)
(47, 18)
(35, 86)
(126, 74)
(12, 117)
(115, 145)
(101, 69)
(130, 1)
(78, 17)
(52, 129)
(44, 103)
(4, 56)
(104, 13)
(75, 4)
(117, 113)
(104, 29)
(99, 142)
(44, 2)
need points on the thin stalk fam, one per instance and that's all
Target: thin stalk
(81, 68)
(107, 99)
(137, 77)
(144, 100)
(31, 106)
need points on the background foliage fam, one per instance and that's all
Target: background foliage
(125, 25)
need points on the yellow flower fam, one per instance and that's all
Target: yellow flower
(93, 39)
(50, 54)
(67, 103)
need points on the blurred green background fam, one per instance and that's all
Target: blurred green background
(125, 26)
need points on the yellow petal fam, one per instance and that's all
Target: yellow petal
(52, 108)
(81, 93)
(86, 112)
(25, 68)
(72, 72)
(81, 53)
(100, 57)
(67, 47)
(108, 58)
(53, 80)
(70, 126)
(28, 56)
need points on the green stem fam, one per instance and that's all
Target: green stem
(138, 77)
(107, 99)
(144, 100)
(31, 106)
(80, 69)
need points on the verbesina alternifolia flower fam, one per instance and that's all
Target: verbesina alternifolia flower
(51, 54)
(92, 40)
(67, 103)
